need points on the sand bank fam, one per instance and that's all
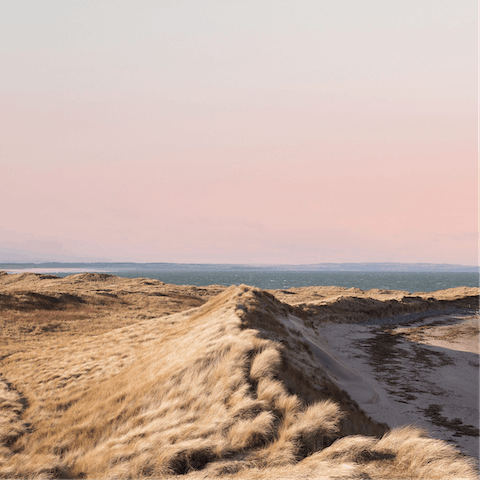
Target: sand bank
(426, 373)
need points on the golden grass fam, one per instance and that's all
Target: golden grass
(204, 393)
(466, 329)
(340, 305)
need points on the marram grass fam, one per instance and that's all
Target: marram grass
(203, 393)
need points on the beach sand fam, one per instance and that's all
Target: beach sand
(426, 373)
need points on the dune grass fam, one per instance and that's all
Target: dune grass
(219, 390)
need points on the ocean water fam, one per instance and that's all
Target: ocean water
(262, 277)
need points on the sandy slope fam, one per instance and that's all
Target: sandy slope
(104, 377)
(434, 386)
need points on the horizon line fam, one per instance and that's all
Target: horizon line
(234, 263)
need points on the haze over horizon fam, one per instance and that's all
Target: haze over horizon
(239, 132)
(156, 267)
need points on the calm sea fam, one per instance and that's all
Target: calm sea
(262, 277)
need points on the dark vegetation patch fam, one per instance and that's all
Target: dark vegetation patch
(428, 358)
(25, 301)
(386, 355)
(433, 413)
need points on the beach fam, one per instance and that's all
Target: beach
(425, 373)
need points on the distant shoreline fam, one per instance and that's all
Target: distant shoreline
(317, 267)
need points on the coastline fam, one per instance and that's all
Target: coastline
(270, 278)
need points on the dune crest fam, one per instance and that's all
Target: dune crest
(232, 387)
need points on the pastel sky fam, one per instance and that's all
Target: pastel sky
(252, 131)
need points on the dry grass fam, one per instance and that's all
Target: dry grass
(207, 392)
(339, 304)
(466, 329)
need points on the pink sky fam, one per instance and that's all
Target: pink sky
(249, 132)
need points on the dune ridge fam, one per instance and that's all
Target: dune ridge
(104, 377)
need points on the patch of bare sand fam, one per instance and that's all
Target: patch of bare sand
(426, 373)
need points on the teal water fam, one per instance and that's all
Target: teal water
(262, 277)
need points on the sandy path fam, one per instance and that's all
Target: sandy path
(426, 373)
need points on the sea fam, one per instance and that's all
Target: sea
(265, 277)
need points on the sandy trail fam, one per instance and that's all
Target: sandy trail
(425, 374)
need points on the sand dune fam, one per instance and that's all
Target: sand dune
(105, 377)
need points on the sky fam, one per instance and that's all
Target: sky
(213, 131)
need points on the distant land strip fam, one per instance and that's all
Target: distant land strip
(319, 267)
